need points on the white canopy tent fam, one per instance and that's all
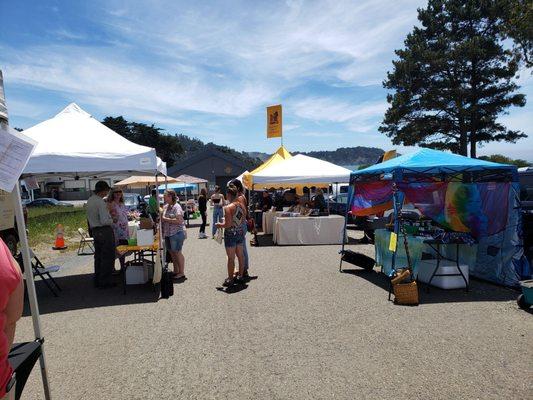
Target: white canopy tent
(301, 170)
(74, 143)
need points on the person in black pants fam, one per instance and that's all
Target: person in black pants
(202, 206)
(104, 240)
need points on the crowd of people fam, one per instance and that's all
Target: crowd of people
(107, 217)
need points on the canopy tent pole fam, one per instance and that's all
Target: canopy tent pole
(344, 235)
(30, 285)
(162, 254)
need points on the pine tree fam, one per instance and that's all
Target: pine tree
(453, 79)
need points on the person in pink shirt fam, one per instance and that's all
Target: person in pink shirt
(11, 302)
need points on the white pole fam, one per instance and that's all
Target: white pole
(30, 284)
(161, 248)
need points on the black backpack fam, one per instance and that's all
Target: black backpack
(167, 285)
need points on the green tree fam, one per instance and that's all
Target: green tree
(167, 147)
(453, 79)
(499, 158)
(517, 17)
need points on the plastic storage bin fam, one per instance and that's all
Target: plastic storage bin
(137, 274)
(426, 268)
(145, 237)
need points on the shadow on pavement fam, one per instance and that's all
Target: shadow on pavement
(478, 291)
(78, 293)
(233, 289)
(267, 241)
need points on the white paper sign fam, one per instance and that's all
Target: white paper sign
(15, 151)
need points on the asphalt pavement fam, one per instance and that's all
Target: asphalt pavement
(301, 330)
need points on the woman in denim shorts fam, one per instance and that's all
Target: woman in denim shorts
(232, 222)
(173, 225)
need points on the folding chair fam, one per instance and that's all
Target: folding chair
(85, 240)
(41, 271)
(22, 358)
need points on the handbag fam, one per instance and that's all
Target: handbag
(167, 286)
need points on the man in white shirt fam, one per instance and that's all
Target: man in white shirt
(100, 222)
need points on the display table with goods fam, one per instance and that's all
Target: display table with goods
(143, 246)
(291, 229)
(438, 257)
(268, 219)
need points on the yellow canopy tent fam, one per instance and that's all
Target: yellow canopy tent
(280, 155)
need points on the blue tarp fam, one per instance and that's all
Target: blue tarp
(179, 186)
(430, 161)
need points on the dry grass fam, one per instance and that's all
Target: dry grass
(42, 222)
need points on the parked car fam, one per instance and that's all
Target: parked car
(337, 205)
(48, 202)
(134, 202)
(374, 222)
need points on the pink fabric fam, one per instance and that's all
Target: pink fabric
(9, 279)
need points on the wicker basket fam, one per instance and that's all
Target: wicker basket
(400, 276)
(406, 293)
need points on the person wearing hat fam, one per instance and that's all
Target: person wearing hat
(100, 222)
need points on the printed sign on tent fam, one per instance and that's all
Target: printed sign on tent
(274, 121)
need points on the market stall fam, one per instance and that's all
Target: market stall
(74, 144)
(468, 215)
(299, 228)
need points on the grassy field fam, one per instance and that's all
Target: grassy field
(42, 222)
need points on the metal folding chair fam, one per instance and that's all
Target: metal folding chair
(85, 240)
(41, 271)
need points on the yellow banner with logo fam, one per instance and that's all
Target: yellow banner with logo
(274, 121)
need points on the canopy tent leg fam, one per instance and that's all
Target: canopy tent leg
(161, 249)
(30, 285)
(344, 235)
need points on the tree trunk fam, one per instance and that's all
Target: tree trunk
(463, 144)
(473, 150)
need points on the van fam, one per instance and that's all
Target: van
(8, 225)
(8, 229)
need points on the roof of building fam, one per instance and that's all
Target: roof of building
(202, 155)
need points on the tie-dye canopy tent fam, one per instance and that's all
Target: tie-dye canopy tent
(458, 193)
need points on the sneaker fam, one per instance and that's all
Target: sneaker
(228, 282)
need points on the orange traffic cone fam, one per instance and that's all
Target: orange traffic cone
(60, 240)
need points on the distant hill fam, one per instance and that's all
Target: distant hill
(342, 156)
(258, 154)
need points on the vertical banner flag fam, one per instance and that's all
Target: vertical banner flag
(274, 121)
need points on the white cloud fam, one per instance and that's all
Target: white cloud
(227, 60)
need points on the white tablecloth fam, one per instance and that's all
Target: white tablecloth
(308, 230)
(268, 221)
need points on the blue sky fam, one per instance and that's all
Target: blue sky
(208, 69)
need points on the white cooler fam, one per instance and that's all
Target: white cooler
(137, 274)
(426, 268)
